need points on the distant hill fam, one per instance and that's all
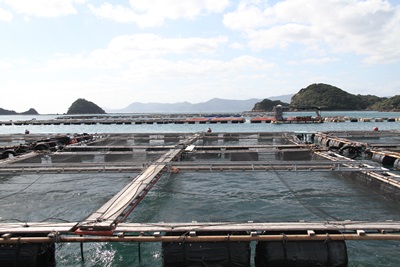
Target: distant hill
(329, 97)
(332, 98)
(31, 111)
(214, 105)
(82, 106)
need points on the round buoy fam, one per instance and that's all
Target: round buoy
(376, 129)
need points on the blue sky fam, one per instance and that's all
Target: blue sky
(114, 53)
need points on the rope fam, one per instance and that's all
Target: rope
(320, 210)
(1, 198)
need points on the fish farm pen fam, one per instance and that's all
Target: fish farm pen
(200, 199)
(140, 119)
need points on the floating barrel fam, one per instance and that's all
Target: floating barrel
(396, 164)
(377, 157)
(388, 161)
(222, 254)
(325, 142)
(350, 151)
(42, 146)
(301, 253)
(328, 141)
(8, 154)
(385, 160)
(320, 139)
(336, 143)
(33, 255)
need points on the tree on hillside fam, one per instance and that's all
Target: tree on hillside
(368, 100)
(268, 105)
(390, 104)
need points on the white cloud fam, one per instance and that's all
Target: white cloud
(198, 70)
(369, 27)
(5, 15)
(126, 62)
(123, 50)
(117, 13)
(155, 45)
(314, 61)
(151, 13)
(237, 45)
(245, 17)
(43, 8)
(148, 65)
(4, 65)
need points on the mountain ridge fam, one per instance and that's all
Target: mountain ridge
(212, 105)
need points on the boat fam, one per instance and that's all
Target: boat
(279, 119)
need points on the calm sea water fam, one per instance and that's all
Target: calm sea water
(203, 197)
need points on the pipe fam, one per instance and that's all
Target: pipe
(224, 238)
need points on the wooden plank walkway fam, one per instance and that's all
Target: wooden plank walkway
(105, 217)
(117, 208)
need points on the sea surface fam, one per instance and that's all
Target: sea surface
(203, 197)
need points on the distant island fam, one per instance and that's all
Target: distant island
(328, 97)
(83, 106)
(31, 111)
(324, 96)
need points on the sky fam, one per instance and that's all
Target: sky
(117, 52)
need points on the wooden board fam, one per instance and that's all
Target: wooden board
(109, 212)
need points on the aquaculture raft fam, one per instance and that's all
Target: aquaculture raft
(186, 119)
(128, 120)
(287, 152)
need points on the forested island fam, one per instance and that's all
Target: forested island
(332, 98)
(31, 111)
(83, 106)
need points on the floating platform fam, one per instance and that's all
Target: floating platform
(184, 119)
(127, 120)
(146, 158)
